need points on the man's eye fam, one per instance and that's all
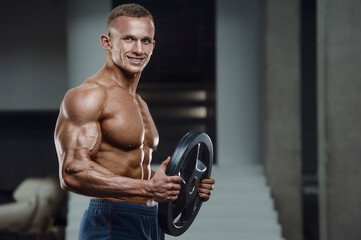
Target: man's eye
(146, 40)
(128, 39)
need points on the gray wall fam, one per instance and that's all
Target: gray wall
(339, 118)
(48, 47)
(239, 27)
(33, 72)
(86, 21)
(282, 122)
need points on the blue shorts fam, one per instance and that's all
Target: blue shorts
(109, 220)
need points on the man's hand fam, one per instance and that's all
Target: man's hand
(205, 188)
(164, 188)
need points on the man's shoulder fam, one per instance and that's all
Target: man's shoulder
(86, 89)
(86, 99)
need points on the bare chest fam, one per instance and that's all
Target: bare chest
(127, 123)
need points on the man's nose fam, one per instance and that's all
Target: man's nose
(138, 47)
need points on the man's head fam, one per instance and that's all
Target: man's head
(130, 37)
(130, 10)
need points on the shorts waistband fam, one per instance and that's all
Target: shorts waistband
(120, 206)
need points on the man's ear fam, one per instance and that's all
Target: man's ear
(105, 41)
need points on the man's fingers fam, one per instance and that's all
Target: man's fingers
(164, 164)
(176, 179)
(174, 183)
(207, 190)
(171, 196)
(206, 186)
(204, 193)
(208, 181)
(175, 193)
(204, 197)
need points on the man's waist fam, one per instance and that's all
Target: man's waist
(122, 207)
(137, 200)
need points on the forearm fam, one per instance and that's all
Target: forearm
(91, 179)
(92, 183)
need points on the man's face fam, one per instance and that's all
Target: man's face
(132, 43)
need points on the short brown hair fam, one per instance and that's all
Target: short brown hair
(130, 10)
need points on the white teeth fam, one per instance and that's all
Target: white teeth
(135, 60)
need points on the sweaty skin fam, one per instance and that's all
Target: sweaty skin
(105, 135)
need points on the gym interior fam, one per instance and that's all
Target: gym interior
(275, 84)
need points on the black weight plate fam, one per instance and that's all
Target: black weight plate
(192, 160)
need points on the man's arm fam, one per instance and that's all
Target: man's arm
(77, 138)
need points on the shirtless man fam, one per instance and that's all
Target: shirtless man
(105, 137)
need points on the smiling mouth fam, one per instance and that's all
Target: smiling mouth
(136, 61)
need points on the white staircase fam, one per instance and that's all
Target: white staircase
(240, 208)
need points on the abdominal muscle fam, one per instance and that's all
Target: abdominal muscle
(132, 163)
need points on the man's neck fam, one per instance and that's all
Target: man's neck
(128, 81)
